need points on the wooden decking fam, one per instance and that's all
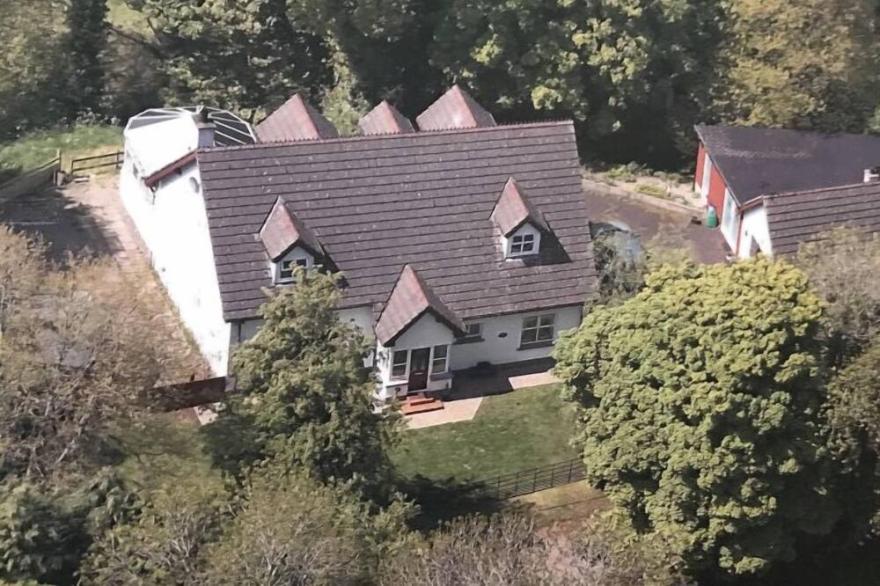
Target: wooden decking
(419, 403)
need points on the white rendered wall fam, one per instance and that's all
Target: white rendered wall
(173, 225)
(501, 339)
(427, 332)
(754, 226)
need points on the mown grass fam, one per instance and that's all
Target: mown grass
(37, 148)
(511, 432)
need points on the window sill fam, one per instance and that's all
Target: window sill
(533, 345)
(474, 340)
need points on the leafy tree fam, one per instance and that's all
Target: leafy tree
(248, 56)
(280, 528)
(509, 550)
(621, 263)
(45, 530)
(801, 63)
(78, 352)
(164, 543)
(630, 70)
(293, 531)
(853, 414)
(844, 270)
(305, 391)
(86, 42)
(700, 411)
(31, 70)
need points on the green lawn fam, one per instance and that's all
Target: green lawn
(40, 147)
(511, 432)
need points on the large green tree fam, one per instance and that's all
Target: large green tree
(248, 56)
(700, 411)
(799, 63)
(85, 46)
(305, 392)
(632, 71)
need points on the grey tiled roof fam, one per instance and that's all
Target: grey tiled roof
(795, 218)
(377, 203)
(763, 161)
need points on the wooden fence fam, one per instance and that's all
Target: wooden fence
(534, 479)
(81, 164)
(31, 180)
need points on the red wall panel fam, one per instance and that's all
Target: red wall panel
(698, 175)
(716, 191)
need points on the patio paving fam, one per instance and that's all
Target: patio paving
(452, 412)
(469, 391)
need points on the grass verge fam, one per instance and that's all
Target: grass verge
(37, 148)
(511, 432)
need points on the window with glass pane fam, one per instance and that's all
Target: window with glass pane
(398, 363)
(438, 364)
(302, 262)
(537, 329)
(474, 330)
(522, 244)
(286, 271)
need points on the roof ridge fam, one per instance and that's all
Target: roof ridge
(409, 135)
(769, 196)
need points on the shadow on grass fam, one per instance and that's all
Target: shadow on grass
(441, 501)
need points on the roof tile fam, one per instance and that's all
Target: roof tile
(377, 203)
(454, 109)
(295, 119)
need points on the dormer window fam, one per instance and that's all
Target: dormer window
(286, 266)
(289, 243)
(520, 223)
(522, 244)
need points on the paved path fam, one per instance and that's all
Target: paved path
(655, 224)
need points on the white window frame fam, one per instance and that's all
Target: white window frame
(392, 364)
(518, 243)
(478, 333)
(289, 263)
(444, 358)
(542, 322)
(730, 220)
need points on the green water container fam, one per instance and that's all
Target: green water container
(711, 217)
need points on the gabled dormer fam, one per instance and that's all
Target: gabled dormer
(521, 224)
(288, 243)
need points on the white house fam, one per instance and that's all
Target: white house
(462, 242)
(774, 189)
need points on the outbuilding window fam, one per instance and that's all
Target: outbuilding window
(537, 329)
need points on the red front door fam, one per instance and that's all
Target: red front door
(418, 369)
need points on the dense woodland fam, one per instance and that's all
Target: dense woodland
(635, 74)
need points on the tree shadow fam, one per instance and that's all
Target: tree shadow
(64, 224)
(441, 501)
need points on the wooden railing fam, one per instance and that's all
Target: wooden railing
(31, 180)
(534, 479)
(93, 162)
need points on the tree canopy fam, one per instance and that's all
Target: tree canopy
(700, 411)
(305, 391)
